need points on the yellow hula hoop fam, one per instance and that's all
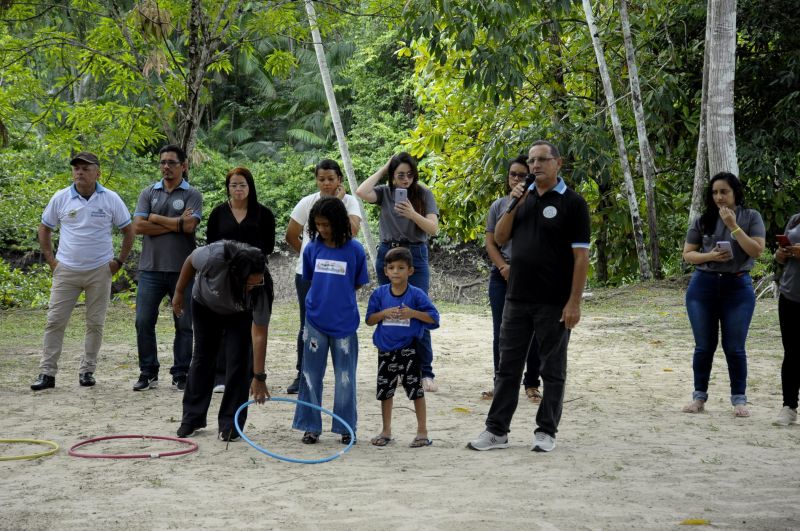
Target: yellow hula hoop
(53, 449)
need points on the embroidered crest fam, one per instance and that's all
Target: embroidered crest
(550, 212)
(177, 204)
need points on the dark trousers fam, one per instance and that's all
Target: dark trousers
(209, 327)
(521, 322)
(302, 287)
(789, 316)
(497, 301)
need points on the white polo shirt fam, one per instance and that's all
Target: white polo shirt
(85, 235)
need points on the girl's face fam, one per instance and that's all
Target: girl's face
(253, 281)
(723, 194)
(403, 176)
(323, 228)
(516, 174)
(328, 181)
(238, 188)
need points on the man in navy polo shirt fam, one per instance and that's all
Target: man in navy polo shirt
(550, 229)
(85, 212)
(167, 216)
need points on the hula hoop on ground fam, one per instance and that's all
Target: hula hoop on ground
(294, 459)
(53, 449)
(192, 447)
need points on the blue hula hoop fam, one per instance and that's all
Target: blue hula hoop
(294, 459)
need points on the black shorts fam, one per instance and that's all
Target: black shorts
(399, 365)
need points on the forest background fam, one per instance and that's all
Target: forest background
(462, 85)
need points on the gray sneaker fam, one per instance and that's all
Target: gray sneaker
(488, 441)
(786, 416)
(543, 442)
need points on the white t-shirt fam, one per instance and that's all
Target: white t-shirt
(302, 211)
(85, 226)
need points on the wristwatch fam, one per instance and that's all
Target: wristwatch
(261, 376)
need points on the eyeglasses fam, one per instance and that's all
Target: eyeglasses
(170, 163)
(534, 160)
(517, 176)
(237, 185)
(403, 175)
(248, 285)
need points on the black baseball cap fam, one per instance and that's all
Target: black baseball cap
(85, 156)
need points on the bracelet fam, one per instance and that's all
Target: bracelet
(737, 229)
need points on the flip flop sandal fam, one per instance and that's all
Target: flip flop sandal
(487, 395)
(695, 406)
(310, 438)
(346, 439)
(380, 440)
(420, 442)
(533, 394)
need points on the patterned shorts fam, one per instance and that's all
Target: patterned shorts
(399, 365)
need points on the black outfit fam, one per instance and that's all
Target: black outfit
(546, 228)
(256, 229)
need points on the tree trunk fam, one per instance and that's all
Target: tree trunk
(721, 74)
(645, 152)
(633, 205)
(337, 123)
(701, 159)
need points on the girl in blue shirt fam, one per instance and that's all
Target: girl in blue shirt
(336, 266)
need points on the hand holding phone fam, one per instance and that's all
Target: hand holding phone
(724, 246)
(400, 195)
(783, 240)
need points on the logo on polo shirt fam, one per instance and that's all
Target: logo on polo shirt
(550, 212)
(177, 204)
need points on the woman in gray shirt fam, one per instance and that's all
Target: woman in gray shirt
(723, 243)
(789, 315)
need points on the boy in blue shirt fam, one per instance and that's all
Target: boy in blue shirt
(402, 312)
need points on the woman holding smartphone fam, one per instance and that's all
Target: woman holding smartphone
(788, 253)
(409, 217)
(723, 243)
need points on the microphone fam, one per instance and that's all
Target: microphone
(529, 180)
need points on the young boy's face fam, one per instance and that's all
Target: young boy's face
(398, 272)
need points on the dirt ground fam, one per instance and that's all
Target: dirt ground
(626, 458)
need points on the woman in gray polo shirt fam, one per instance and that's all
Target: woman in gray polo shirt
(723, 243)
(789, 315)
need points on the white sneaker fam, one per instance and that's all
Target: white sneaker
(429, 386)
(219, 388)
(786, 416)
(543, 442)
(488, 441)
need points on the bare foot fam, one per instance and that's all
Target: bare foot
(695, 406)
(740, 410)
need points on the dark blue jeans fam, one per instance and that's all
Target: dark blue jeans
(789, 316)
(717, 301)
(421, 279)
(497, 300)
(302, 287)
(153, 287)
(523, 322)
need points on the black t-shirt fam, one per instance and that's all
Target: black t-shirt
(256, 229)
(545, 229)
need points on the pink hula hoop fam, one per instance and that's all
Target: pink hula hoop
(192, 447)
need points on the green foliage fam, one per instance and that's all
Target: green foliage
(24, 289)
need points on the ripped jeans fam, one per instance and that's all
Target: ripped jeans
(344, 352)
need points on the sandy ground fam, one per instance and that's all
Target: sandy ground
(627, 458)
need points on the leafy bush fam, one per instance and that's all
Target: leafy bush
(24, 289)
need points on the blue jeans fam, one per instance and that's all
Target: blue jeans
(715, 301)
(344, 352)
(153, 286)
(302, 287)
(420, 279)
(524, 322)
(497, 300)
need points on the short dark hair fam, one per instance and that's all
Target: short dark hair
(172, 148)
(521, 159)
(329, 164)
(553, 149)
(399, 254)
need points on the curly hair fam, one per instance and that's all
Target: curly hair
(332, 209)
(708, 220)
(244, 260)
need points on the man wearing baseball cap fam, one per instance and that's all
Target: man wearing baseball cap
(85, 213)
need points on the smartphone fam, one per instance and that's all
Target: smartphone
(783, 240)
(400, 195)
(724, 245)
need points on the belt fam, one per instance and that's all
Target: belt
(401, 243)
(721, 274)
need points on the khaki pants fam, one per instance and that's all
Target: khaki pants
(67, 287)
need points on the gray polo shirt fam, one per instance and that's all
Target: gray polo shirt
(790, 280)
(496, 211)
(751, 223)
(212, 286)
(393, 226)
(167, 252)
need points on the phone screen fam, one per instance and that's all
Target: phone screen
(400, 195)
(783, 240)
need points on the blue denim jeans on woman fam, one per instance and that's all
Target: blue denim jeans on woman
(153, 287)
(344, 352)
(420, 279)
(723, 301)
